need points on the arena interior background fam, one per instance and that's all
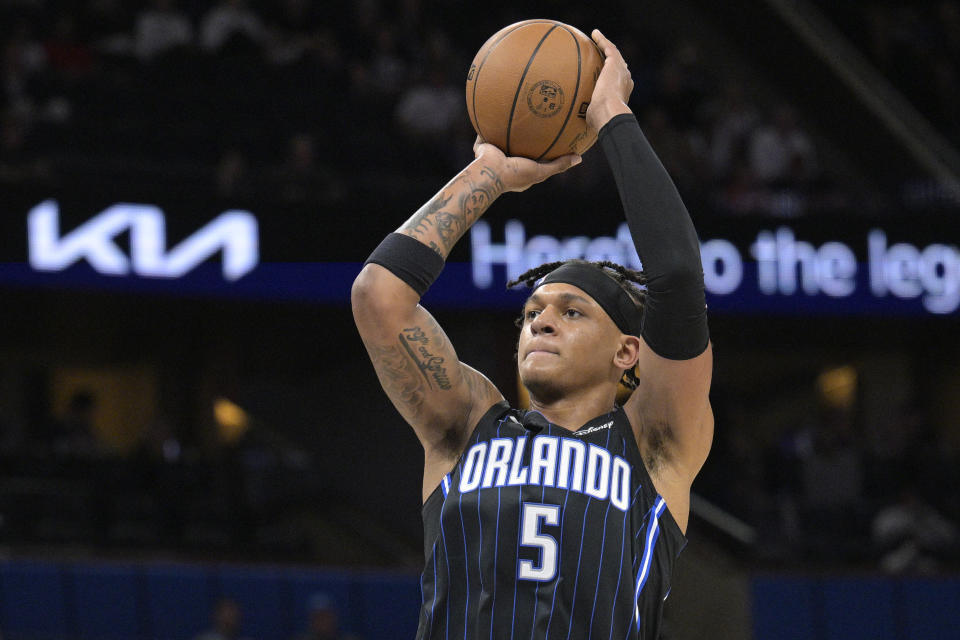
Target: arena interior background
(187, 415)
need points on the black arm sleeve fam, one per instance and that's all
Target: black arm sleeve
(675, 317)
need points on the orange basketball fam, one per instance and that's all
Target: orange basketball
(529, 87)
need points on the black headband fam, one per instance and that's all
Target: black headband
(606, 291)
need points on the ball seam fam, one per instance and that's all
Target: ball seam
(576, 92)
(513, 108)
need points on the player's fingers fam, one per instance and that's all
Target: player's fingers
(558, 165)
(481, 148)
(609, 49)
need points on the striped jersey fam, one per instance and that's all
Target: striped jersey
(542, 532)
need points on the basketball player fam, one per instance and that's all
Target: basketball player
(563, 521)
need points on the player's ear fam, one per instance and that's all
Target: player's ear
(627, 353)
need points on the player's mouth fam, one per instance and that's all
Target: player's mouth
(539, 351)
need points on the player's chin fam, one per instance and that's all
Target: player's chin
(538, 367)
(540, 382)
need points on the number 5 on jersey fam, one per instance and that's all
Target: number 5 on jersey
(530, 536)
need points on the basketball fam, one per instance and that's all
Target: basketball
(529, 87)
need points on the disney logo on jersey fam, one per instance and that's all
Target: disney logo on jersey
(583, 432)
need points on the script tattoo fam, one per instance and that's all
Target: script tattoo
(439, 227)
(417, 345)
(400, 379)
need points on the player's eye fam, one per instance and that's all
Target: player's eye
(530, 314)
(572, 313)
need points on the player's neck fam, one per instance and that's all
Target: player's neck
(575, 409)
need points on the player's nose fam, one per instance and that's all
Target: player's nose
(545, 322)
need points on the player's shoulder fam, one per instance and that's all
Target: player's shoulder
(498, 416)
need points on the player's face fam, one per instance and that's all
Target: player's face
(567, 341)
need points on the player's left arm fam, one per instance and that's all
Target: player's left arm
(670, 407)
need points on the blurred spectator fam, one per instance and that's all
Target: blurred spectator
(226, 620)
(19, 160)
(782, 152)
(323, 620)
(429, 109)
(109, 25)
(162, 27)
(231, 26)
(158, 443)
(912, 536)
(388, 72)
(833, 475)
(23, 59)
(302, 178)
(684, 85)
(817, 475)
(74, 433)
(232, 177)
(741, 193)
(67, 50)
(735, 121)
(429, 114)
(682, 154)
(367, 16)
(293, 26)
(327, 52)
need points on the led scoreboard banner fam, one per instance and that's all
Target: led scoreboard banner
(775, 272)
(760, 267)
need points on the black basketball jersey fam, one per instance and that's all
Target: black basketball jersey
(542, 532)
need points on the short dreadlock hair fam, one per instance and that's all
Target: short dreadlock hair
(630, 280)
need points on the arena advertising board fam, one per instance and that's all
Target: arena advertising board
(762, 267)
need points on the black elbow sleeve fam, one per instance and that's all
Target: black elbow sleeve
(675, 316)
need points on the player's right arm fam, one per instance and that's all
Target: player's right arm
(418, 368)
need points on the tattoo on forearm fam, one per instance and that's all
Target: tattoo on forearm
(422, 220)
(439, 227)
(492, 176)
(417, 345)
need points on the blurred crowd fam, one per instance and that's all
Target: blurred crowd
(323, 621)
(821, 487)
(828, 487)
(916, 45)
(311, 102)
(229, 492)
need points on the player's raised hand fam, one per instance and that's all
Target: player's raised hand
(519, 174)
(614, 85)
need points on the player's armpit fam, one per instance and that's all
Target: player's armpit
(670, 409)
(418, 368)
